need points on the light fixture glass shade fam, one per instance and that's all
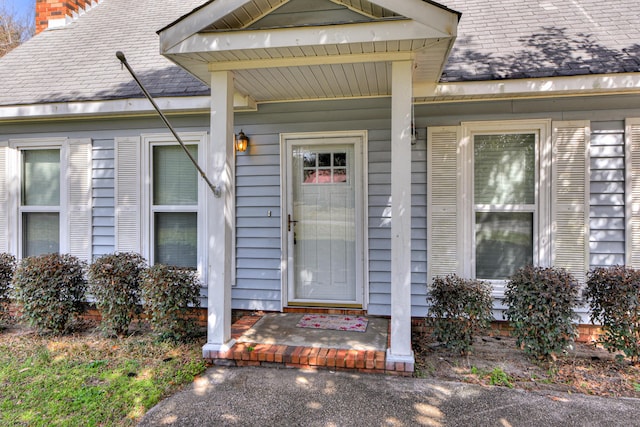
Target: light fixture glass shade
(242, 141)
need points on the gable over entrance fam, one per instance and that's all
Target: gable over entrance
(277, 50)
(286, 50)
(302, 13)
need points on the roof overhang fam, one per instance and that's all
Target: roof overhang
(551, 87)
(321, 60)
(131, 107)
(441, 93)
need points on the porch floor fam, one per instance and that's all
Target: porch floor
(273, 340)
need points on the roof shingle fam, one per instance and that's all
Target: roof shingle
(516, 39)
(498, 39)
(78, 62)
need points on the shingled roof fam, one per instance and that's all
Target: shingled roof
(78, 62)
(516, 39)
(497, 39)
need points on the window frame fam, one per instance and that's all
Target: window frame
(15, 176)
(149, 141)
(541, 210)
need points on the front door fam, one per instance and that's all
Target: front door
(324, 221)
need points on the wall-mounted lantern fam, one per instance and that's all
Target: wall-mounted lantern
(242, 142)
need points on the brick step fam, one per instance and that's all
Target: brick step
(283, 356)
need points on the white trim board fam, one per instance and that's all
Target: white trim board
(120, 107)
(305, 36)
(538, 87)
(433, 19)
(621, 84)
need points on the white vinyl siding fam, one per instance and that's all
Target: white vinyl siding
(607, 199)
(103, 195)
(633, 192)
(258, 183)
(258, 250)
(570, 221)
(379, 230)
(379, 222)
(419, 225)
(257, 284)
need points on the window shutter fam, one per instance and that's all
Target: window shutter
(633, 192)
(79, 194)
(4, 200)
(442, 202)
(570, 189)
(127, 195)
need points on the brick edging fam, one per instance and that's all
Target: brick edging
(283, 356)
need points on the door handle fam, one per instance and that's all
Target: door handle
(290, 221)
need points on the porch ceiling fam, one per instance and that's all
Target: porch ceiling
(318, 72)
(318, 59)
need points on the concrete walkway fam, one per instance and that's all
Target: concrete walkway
(291, 397)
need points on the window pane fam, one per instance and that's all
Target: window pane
(504, 243)
(40, 233)
(309, 160)
(324, 159)
(176, 239)
(504, 169)
(41, 177)
(339, 175)
(175, 179)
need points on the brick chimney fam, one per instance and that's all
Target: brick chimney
(58, 13)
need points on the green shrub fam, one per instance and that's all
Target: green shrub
(540, 308)
(114, 282)
(459, 309)
(51, 290)
(614, 294)
(7, 267)
(167, 293)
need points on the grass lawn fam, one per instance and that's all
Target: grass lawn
(86, 379)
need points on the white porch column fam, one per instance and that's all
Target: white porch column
(401, 100)
(220, 214)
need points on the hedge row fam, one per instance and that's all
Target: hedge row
(50, 291)
(541, 306)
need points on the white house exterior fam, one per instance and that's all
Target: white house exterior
(389, 142)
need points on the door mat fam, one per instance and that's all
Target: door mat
(334, 322)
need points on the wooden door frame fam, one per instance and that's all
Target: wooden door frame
(361, 195)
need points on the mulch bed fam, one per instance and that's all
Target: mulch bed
(585, 368)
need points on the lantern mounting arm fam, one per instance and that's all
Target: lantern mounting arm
(217, 191)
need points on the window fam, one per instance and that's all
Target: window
(504, 203)
(174, 206)
(325, 167)
(508, 205)
(47, 202)
(160, 199)
(40, 201)
(505, 194)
